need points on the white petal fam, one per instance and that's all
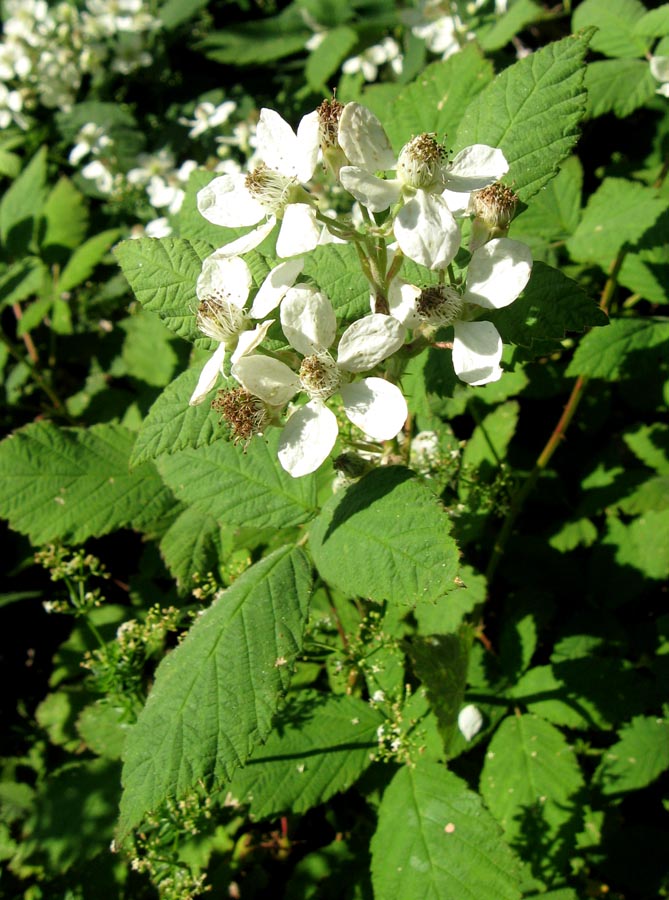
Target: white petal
(470, 721)
(274, 287)
(368, 341)
(477, 350)
(308, 320)
(267, 378)
(476, 167)
(659, 67)
(308, 142)
(498, 272)
(208, 376)
(248, 241)
(426, 231)
(226, 277)
(663, 91)
(363, 139)
(307, 438)
(226, 201)
(374, 193)
(457, 202)
(376, 406)
(402, 299)
(249, 340)
(299, 232)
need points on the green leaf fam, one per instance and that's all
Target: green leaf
(21, 205)
(435, 839)
(637, 759)
(65, 217)
(22, 279)
(486, 449)
(251, 488)
(618, 213)
(148, 349)
(321, 745)
(436, 100)
(70, 484)
(619, 86)
(176, 12)
(448, 611)
(555, 211)
(646, 270)
(654, 23)
(326, 59)
(532, 111)
(397, 522)
(214, 695)
(162, 273)
(643, 544)
(190, 546)
(650, 444)
(260, 42)
(335, 268)
(85, 258)
(614, 20)
(172, 425)
(628, 348)
(519, 15)
(550, 306)
(103, 728)
(531, 783)
(441, 661)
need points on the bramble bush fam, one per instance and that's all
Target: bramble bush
(336, 469)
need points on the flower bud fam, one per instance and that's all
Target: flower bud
(494, 208)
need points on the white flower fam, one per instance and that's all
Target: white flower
(90, 139)
(368, 62)
(659, 69)
(223, 288)
(271, 191)
(376, 406)
(426, 183)
(497, 274)
(207, 116)
(97, 172)
(470, 721)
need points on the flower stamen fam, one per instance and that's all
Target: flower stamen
(245, 414)
(439, 304)
(319, 375)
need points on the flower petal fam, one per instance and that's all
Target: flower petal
(659, 67)
(402, 299)
(274, 287)
(477, 350)
(266, 378)
(299, 232)
(475, 167)
(497, 273)
(426, 231)
(364, 140)
(225, 277)
(374, 193)
(248, 241)
(208, 376)
(308, 320)
(249, 340)
(376, 406)
(307, 438)
(309, 143)
(470, 721)
(226, 201)
(368, 341)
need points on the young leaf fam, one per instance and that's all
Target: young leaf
(628, 348)
(531, 783)
(321, 745)
(70, 484)
(249, 489)
(214, 696)
(637, 759)
(162, 273)
(389, 518)
(436, 839)
(532, 111)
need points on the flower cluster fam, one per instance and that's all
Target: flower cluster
(410, 205)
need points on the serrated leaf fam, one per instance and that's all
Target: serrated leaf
(85, 258)
(519, 15)
(550, 306)
(628, 348)
(637, 759)
(646, 270)
(532, 111)
(618, 213)
(22, 279)
(655, 23)
(162, 273)
(336, 270)
(554, 212)
(321, 745)
(190, 546)
(22, 204)
(251, 488)
(149, 352)
(650, 444)
(642, 544)
(394, 520)
(436, 100)
(65, 217)
(531, 783)
(70, 484)
(435, 839)
(330, 53)
(214, 695)
(618, 85)
(614, 20)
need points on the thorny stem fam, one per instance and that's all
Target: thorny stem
(556, 437)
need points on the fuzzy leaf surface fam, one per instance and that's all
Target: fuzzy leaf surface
(214, 696)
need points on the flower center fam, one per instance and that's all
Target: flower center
(495, 205)
(420, 162)
(220, 319)
(440, 304)
(245, 414)
(319, 375)
(269, 188)
(329, 113)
